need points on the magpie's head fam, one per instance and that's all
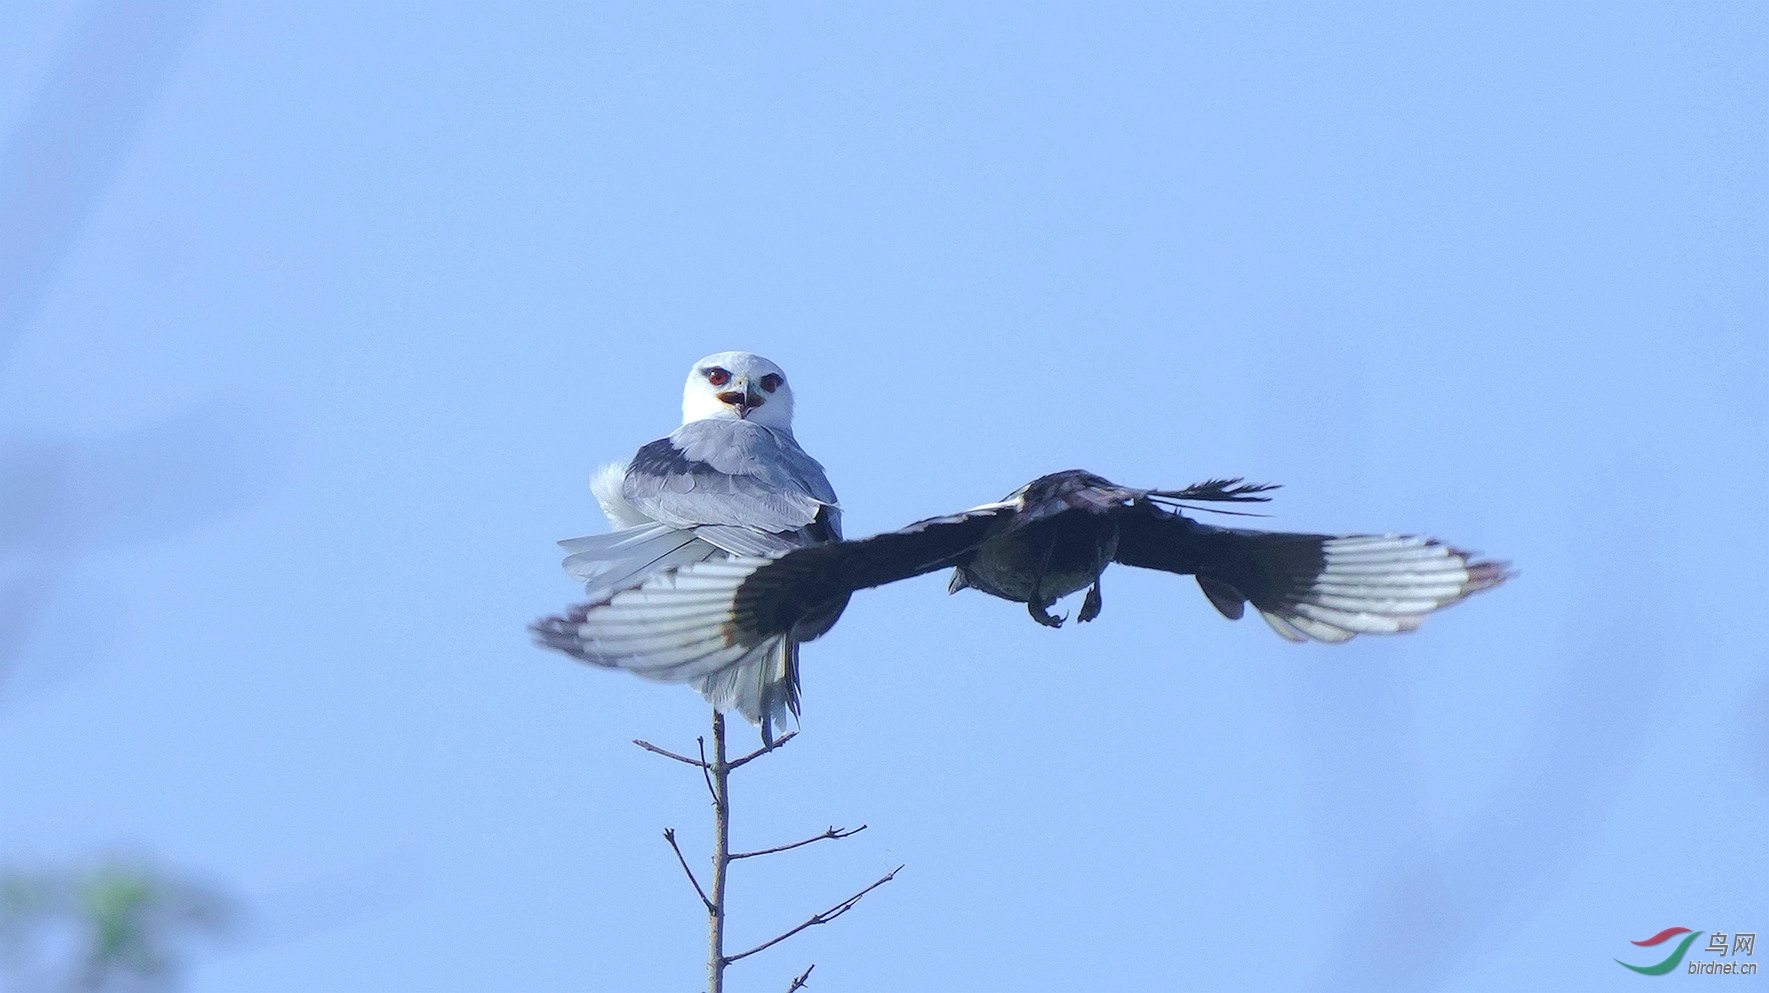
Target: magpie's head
(738, 386)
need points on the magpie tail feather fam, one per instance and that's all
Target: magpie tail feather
(1231, 490)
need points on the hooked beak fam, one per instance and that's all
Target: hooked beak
(743, 400)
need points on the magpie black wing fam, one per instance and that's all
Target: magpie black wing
(699, 619)
(1325, 587)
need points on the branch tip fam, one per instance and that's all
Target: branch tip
(765, 749)
(666, 753)
(823, 917)
(833, 834)
(669, 835)
(706, 768)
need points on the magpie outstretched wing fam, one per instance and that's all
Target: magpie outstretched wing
(1324, 587)
(688, 622)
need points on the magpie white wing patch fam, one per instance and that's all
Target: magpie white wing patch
(1378, 584)
(677, 625)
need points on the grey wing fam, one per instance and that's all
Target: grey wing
(730, 488)
(609, 563)
(732, 474)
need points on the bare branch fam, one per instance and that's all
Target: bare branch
(833, 833)
(706, 767)
(719, 771)
(822, 918)
(669, 835)
(765, 749)
(799, 983)
(666, 753)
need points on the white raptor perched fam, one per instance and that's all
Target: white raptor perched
(731, 481)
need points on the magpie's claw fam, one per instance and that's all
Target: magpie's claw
(1090, 606)
(1041, 613)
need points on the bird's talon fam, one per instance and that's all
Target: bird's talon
(1090, 607)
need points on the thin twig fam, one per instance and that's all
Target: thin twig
(706, 767)
(669, 835)
(765, 749)
(799, 983)
(832, 833)
(823, 918)
(666, 753)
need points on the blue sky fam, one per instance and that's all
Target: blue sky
(312, 340)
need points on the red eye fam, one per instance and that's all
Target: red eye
(771, 382)
(717, 376)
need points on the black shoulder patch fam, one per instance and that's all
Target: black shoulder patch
(663, 458)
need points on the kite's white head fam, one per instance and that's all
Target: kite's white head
(738, 386)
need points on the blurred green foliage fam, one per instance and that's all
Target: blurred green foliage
(120, 925)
